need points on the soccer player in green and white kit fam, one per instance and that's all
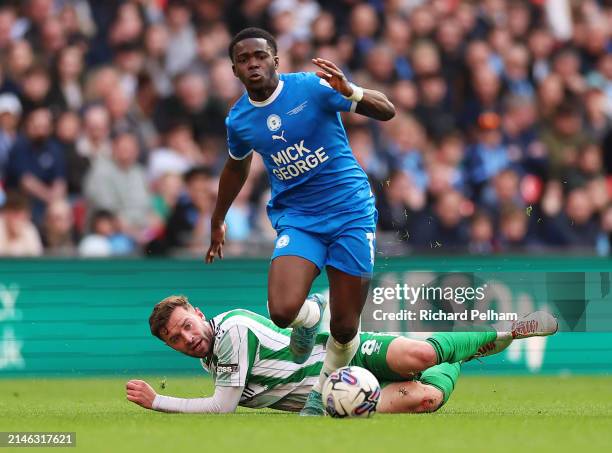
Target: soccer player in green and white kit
(251, 363)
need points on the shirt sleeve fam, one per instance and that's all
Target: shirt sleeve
(224, 400)
(235, 352)
(328, 98)
(237, 149)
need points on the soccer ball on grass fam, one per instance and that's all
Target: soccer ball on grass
(351, 391)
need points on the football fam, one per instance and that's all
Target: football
(351, 392)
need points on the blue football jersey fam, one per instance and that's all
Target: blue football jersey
(300, 136)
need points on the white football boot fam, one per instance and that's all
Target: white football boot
(536, 324)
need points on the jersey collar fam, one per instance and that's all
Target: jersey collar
(206, 361)
(272, 97)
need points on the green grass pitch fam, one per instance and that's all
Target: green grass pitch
(526, 414)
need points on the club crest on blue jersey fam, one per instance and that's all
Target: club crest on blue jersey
(282, 241)
(273, 122)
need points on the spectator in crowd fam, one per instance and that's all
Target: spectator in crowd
(516, 71)
(562, 139)
(36, 90)
(95, 139)
(8, 18)
(588, 167)
(18, 235)
(481, 234)
(521, 136)
(488, 155)
(36, 163)
(179, 153)
(58, 234)
(10, 114)
(181, 37)
(105, 237)
(513, 229)
(406, 147)
(68, 127)
(119, 185)
(576, 226)
(166, 191)
(142, 111)
(502, 193)
(239, 215)
(68, 71)
(19, 60)
(156, 47)
(374, 162)
(443, 229)
(598, 116)
(212, 42)
(487, 94)
(450, 153)
(189, 224)
(434, 110)
(398, 204)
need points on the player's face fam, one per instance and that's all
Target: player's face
(188, 332)
(254, 63)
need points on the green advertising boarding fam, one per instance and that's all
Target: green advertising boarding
(75, 318)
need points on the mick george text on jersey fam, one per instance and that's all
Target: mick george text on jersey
(294, 160)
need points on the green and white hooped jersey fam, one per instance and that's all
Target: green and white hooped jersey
(250, 351)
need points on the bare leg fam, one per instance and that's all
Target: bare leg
(412, 397)
(289, 282)
(406, 357)
(347, 295)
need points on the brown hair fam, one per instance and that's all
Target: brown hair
(16, 201)
(163, 310)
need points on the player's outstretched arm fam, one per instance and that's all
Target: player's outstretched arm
(225, 400)
(232, 179)
(370, 103)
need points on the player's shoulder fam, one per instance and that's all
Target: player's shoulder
(299, 78)
(240, 107)
(238, 318)
(233, 326)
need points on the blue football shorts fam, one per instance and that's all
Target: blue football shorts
(350, 249)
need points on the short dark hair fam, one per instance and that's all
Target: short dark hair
(162, 312)
(252, 32)
(200, 171)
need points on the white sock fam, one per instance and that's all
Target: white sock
(504, 330)
(504, 336)
(308, 316)
(337, 355)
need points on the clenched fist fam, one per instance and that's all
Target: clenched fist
(141, 393)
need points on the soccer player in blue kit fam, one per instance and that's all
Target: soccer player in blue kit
(322, 206)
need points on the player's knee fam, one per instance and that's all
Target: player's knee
(281, 316)
(432, 400)
(283, 308)
(343, 333)
(409, 356)
(425, 355)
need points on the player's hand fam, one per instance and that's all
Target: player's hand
(141, 393)
(333, 75)
(217, 239)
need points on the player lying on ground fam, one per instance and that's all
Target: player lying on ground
(251, 363)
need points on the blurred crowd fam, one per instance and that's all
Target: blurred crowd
(112, 114)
